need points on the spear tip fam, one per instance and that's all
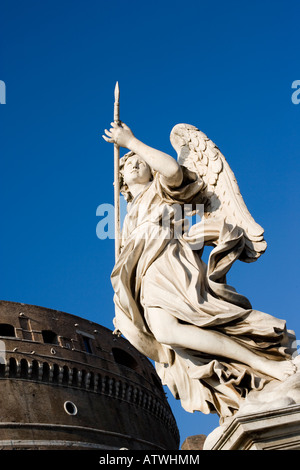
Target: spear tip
(117, 92)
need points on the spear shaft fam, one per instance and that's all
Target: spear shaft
(116, 176)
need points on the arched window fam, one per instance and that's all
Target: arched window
(35, 370)
(46, 372)
(75, 377)
(123, 358)
(55, 376)
(83, 378)
(49, 337)
(65, 378)
(24, 369)
(92, 381)
(12, 367)
(7, 330)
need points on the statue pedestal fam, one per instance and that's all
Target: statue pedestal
(276, 429)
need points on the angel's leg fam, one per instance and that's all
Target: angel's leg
(169, 331)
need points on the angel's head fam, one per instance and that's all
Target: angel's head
(133, 170)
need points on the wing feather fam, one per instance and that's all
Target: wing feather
(199, 154)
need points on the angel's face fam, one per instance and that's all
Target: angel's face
(136, 171)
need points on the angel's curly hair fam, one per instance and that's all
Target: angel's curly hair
(124, 190)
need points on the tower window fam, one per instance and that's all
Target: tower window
(87, 344)
(49, 337)
(7, 330)
(86, 340)
(124, 359)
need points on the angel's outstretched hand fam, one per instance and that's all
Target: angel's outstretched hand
(119, 134)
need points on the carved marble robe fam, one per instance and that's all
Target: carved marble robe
(157, 268)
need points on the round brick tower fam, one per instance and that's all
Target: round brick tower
(69, 383)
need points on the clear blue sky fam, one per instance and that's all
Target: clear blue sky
(225, 67)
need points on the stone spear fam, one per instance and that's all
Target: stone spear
(117, 176)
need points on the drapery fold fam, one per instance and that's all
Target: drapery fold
(160, 268)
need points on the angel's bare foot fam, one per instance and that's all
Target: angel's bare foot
(280, 370)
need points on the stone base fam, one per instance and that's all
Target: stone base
(194, 442)
(276, 429)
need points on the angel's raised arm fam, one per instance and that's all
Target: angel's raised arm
(159, 161)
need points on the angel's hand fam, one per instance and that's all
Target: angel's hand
(119, 134)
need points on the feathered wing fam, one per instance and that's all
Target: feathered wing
(199, 154)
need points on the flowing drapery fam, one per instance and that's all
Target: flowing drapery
(159, 267)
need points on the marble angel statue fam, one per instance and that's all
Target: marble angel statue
(210, 347)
